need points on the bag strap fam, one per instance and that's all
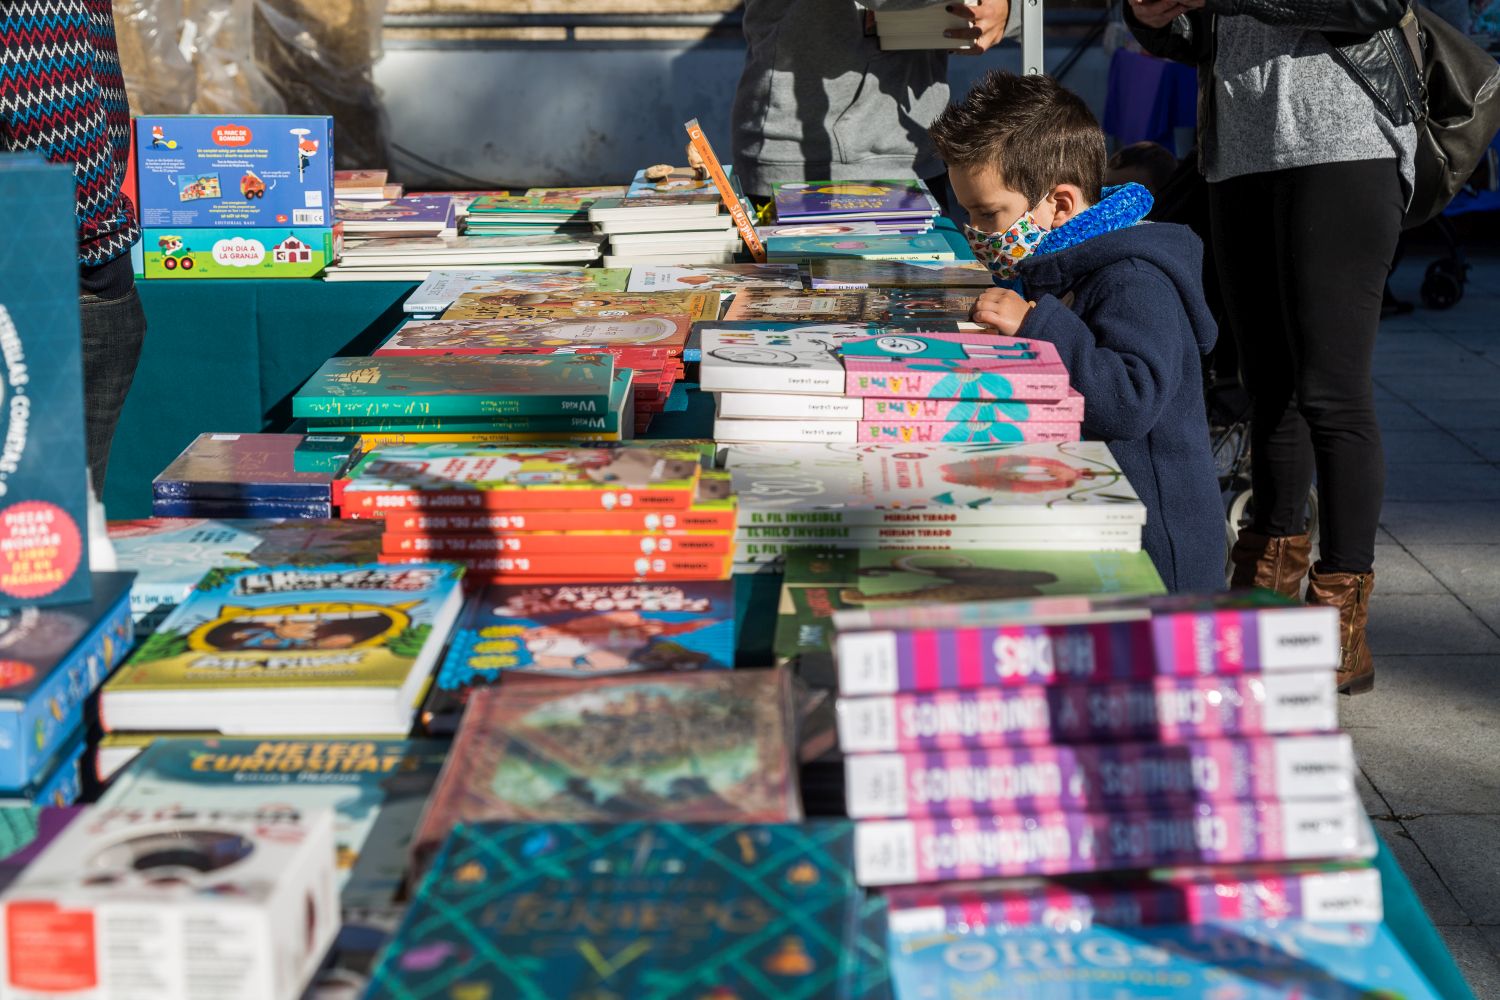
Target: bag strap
(1412, 29)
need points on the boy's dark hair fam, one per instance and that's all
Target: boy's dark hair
(1032, 129)
(1151, 160)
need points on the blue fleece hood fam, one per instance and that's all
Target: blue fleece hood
(1113, 231)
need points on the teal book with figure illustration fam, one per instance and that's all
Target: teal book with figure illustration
(664, 911)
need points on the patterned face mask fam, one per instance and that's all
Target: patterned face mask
(1003, 252)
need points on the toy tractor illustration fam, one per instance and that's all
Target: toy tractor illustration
(174, 254)
(251, 186)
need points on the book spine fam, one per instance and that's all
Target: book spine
(1182, 644)
(1014, 516)
(1332, 895)
(1069, 411)
(1140, 775)
(370, 501)
(554, 425)
(558, 543)
(786, 430)
(902, 383)
(716, 376)
(456, 405)
(781, 547)
(1018, 535)
(881, 432)
(1169, 709)
(421, 523)
(786, 407)
(591, 567)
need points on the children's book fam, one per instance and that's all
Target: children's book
(723, 278)
(877, 431)
(1247, 960)
(284, 467)
(52, 660)
(543, 202)
(574, 305)
(470, 251)
(791, 431)
(820, 229)
(519, 385)
(371, 786)
(604, 567)
(786, 407)
(682, 182)
(834, 273)
(59, 782)
(920, 305)
(609, 544)
(666, 333)
(1068, 410)
(755, 912)
(963, 366)
(795, 306)
(891, 247)
(743, 358)
(663, 208)
(328, 649)
(415, 215)
(591, 630)
(441, 288)
(706, 746)
(882, 199)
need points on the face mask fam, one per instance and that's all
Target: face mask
(1003, 252)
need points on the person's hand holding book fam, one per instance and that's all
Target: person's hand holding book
(987, 21)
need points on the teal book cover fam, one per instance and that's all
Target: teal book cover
(43, 483)
(645, 911)
(458, 386)
(924, 246)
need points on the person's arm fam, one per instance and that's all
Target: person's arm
(1364, 17)
(1169, 30)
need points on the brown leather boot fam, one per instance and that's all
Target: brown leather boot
(1278, 564)
(1350, 593)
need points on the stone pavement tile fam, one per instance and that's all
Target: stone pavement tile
(1434, 354)
(1426, 624)
(1475, 522)
(1398, 415)
(1458, 414)
(1418, 385)
(1424, 446)
(1462, 851)
(1476, 959)
(1481, 339)
(1369, 795)
(1470, 571)
(1442, 909)
(1442, 482)
(1398, 572)
(1486, 443)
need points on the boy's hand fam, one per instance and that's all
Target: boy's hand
(987, 22)
(1002, 309)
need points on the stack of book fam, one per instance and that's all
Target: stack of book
(413, 258)
(892, 206)
(551, 515)
(665, 229)
(414, 217)
(922, 28)
(440, 289)
(880, 246)
(52, 660)
(1042, 497)
(254, 476)
(538, 212)
(365, 185)
(466, 397)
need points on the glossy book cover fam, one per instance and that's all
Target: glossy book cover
(705, 746)
(852, 199)
(721, 278)
(553, 201)
(574, 305)
(886, 247)
(877, 431)
(833, 273)
(591, 630)
(257, 467)
(963, 366)
(660, 910)
(914, 411)
(663, 334)
(441, 288)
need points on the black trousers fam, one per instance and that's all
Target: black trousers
(113, 332)
(1303, 256)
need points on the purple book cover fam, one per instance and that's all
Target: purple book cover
(904, 852)
(245, 467)
(402, 213)
(873, 199)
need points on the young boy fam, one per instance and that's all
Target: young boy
(1121, 300)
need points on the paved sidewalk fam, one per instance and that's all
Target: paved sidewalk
(1428, 737)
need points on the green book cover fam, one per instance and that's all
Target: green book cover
(506, 385)
(820, 581)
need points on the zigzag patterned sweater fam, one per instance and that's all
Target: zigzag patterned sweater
(62, 94)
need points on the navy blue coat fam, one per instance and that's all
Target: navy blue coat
(1133, 336)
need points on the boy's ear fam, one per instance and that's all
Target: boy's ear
(1067, 201)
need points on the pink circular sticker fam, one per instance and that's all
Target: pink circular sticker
(40, 546)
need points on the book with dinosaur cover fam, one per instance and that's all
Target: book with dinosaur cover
(229, 903)
(291, 649)
(238, 467)
(634, 339)
(574, 305)
(520, 385)
(441, 288)
(371, 785)
(836, 273)
(52, 660)
(591, 630)
(756, 912)
(705, 746)
(721, 278)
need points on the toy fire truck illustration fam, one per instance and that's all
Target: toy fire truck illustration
(251, 186)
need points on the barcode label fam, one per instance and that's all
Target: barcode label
(307, 217)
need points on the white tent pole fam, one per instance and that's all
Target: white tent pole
(1031, 37)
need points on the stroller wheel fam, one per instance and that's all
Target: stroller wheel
(1443, 285)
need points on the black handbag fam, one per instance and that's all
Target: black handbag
(1460, 110)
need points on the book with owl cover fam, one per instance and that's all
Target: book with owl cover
(52, 660)
(674, 912)
(371, 785)
(243, 467)
(834, 273)
(520, 385)
(886, 247)
(291, 649)
(591, 630)
(799, 201)
(590, 305)
(635, 337)
(441, 288)
(704, 746)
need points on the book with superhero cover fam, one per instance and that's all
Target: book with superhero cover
(170, 556)
(505, 479)
(43, 518)
(965, 366)
(674, 911)
(371, 785)
(591, 630)
(240, 467)
(900, 432)
(441, 288)
(1319, 892)
(915, 411)
(542, 203)
(52, 660)
(1103, 777)
(590, 305)
(833, 273)
(651, 338)
(1248, 960)
(1012, 484)
(1170, 709)
(503, 385)
(798, 201)
(703, 746)
(885, 247)
(709, 278)
(820, 581)
(291, 649)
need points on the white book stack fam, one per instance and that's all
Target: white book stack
(665, 229)
(922, 28)
(414, 258)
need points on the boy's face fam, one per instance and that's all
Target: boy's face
(991, 205)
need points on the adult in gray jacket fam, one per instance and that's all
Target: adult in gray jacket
(1307, 141)
(819, 100)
